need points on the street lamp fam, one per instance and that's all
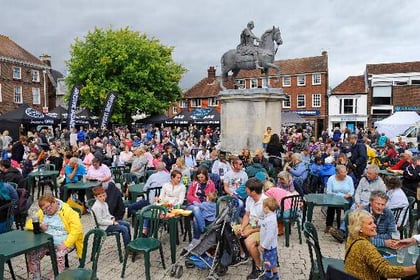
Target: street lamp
(45, 109)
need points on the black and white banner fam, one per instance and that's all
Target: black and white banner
(71, 113)
(106, 113)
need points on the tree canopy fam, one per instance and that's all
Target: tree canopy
(139, 69)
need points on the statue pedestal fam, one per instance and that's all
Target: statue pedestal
(246, 113)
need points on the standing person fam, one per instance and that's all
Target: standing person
(362, 258)
(358, 156)
(81, 135)
(342, 185)
(6, 140)
(268, 241)
(105, 220)
(58, 219)
(266, 137)
(18, 149)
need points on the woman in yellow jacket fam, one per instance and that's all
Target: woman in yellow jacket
(63, 223)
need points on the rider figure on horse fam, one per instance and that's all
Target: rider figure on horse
(247, 45)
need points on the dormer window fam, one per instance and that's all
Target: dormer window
(17, 73)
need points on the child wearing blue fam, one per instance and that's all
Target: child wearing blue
(207, 211)
(105, 220)
(268, 239)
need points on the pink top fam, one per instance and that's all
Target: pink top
(192, 191)
(99, 174)
(87, 161)
(278, 194)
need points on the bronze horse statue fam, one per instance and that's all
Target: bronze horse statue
(234, 61)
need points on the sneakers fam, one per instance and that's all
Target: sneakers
(337, 234)
(242, 260)
(256, 274)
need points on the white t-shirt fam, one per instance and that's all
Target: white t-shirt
(255, 210)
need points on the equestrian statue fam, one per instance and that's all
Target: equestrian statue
(249, 55)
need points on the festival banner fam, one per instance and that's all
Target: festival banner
(106, 113)
(71, 111)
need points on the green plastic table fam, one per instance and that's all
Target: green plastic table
(53, 174)
(135, 191)
(322, 199)
(19, 242)
(79, 186)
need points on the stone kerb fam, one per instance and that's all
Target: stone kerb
(245, 116)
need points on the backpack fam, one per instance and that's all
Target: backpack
(24, 202)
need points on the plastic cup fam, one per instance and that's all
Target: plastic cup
(400, 255)
(414, 257)
(413, 250)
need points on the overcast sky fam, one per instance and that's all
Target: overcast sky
(354, 33)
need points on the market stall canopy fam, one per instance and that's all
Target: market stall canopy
(183, 118)
(154, 119)
(291, 118)
(396, 123)
(59, 113)
(27, 115)
(206, 116)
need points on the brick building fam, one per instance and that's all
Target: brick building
(24, 78)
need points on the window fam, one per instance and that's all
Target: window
(196, 102)
(17, 98)
(316, 100)
(16, 73)
(182, 104)
(241, 84)
(254, 83)
(301, 100)
(287, 81)
(264, 83)
(301, 80)
(1, 98)
(213, 102)
(286, 101)
(36, 96)
(316, 79)
(382, 95)
(348, 106)
(174, 110)
(35, 76)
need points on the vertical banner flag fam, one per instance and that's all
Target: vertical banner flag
(106, 113)
(71, 111)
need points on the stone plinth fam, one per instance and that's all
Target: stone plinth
(246, 113)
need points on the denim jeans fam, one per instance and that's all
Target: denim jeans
(124, 228)
(134, 207)
(198, 222)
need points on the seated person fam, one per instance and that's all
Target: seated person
(9, 173)
(7, 194)
(383, 217)
(249, 229)
(138, 167)
(102, 173)
(197, 192)
(411, 177)
(285, 181)
(397, 199)
(371, 181)
(207, 213)
(105, 220)
(362, 259)
(174, 191)
(299, 172)
(405, 160)
(58, 219)
(259, 158)
(74, 172)
(160, 177)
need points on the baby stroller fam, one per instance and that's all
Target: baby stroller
(216, 249)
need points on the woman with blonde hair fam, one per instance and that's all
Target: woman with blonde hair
(285, 181)
(362, 258)
(184, 169)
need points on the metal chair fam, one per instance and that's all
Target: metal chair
(82, 273)
(108, 233)
(147, 244)
(319, 263)
(288, 217)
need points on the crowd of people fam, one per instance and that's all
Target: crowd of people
(189, 166)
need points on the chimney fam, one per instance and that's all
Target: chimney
(324, 53)
(46, 59)
(211, 73)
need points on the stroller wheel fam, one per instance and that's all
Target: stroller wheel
(179, 271)
(173, 270)
(189, 264)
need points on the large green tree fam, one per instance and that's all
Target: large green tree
(140, 69)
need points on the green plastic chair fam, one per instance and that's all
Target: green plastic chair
(413, 214)
(81, 273)
(319, 264)
(292, 217)
(147, 244)
(46, 180)
(8, 210)
(108, 233)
